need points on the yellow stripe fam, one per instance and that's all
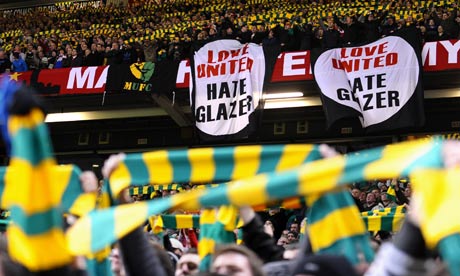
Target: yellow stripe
(19, 191)
(84, 204)
(391, 164)
(187, 201)
(202, 164)
(145, 190)
(335, 226)
(293, 156)
(30, 120)
(254, 194)
(206, 247)
(40, 252)
(78, 237)
(208, 216)
(158, 226)
(247, 160)
(184, 221)
(227, 216)
(397, 221)
(374, 223)
(320, 175)
(129, 214)
(160, 169)
(119, 179)
(437, 192)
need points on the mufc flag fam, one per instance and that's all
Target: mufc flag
(227, 81)
(146, 77)
(379, 83)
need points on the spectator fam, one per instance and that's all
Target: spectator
(244, 34)
(371, 202)
(31, 58)
(389, 27)
(188, 264)
(5, 63)
(441, 34)
(236, 260)
(114, 55)
(75, 59)
(352, 30)
(19, 65)
(372, 26)
(331, 36)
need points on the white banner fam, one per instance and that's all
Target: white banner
(376, 79)
(228, 85)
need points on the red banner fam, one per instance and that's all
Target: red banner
(289, 66)
(441, 55)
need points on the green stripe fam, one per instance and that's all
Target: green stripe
(217, 197)
(39, 149)
(181, 165)
(348, 247)
(431, 159)
(102, 236)
(448, 247)
(169, 221)
(137, 169)
(366, 221)
(313, 155)
(387, 223)
(276, 187)
(270, 157)
(73, 189)
(327, 204)
(224, 160)
(37, 223)
(355, 164)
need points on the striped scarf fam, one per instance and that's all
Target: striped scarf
(101, 228)
(388, 219)
(335, 226)
(216, 227)
(391, 193)
(33, 191)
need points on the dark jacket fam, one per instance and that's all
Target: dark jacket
(255, 238)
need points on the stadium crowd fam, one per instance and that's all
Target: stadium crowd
(91, 34)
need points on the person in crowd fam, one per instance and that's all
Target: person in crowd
(371, 201)
(116, 263)
(188, 263)
(372, 25)
(441, 35)
(236, 260)
(331, 35)
(448, 23)
(243, 35)
(75, 59)
(19, 65)
(5, 63)
(352, 30)
(31, 57)
(431, 32)
(389, 26)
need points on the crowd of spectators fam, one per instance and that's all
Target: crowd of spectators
(92, 34)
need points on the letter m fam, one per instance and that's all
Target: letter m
(76, 76)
